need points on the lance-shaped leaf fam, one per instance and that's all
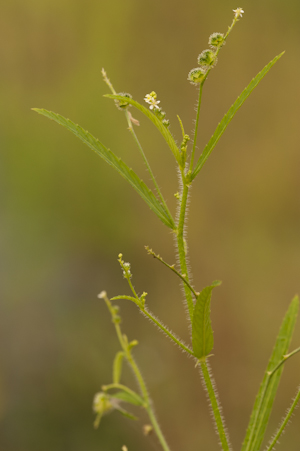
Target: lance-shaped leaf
(267, 391)
(202, 334)
(157, 122)
(117, 367)
(115, 162)
(229, 115)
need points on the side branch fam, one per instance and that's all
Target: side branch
(172, 268)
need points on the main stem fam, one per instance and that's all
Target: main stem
(215, 407)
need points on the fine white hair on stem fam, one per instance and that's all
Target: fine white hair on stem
(177, 252)
(167, 328)
(219, 407)
(284, 422)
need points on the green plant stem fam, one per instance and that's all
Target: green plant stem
(182, 248)
(215, 407)
(285, 358)
(131, 129)
(149, 315)
(172, 268)
(138, 375)
(197, 124)
(166, 331)
(148, 406)
(285, 422)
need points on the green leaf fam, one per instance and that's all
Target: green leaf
(129, 396)
(157, 122)
(117, 367)
(202, 334)
(229, 115)
(267, 391)
(115, 162)
(127, 414)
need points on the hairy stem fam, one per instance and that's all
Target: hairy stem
(285, 421)
(215, 407)
(196, 125)
(166, 331)
(182, 247)
(172, 268)
(136, 370)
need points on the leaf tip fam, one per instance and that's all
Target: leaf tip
(295, 300)
(216, 283)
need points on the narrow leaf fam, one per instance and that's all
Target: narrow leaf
(127, 414)
(157, 122)
(117, 367)
(130, 397)
(202, 334)
(115, 162)
(267, 391)
(229, 115)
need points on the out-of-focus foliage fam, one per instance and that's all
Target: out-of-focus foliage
(60, 231)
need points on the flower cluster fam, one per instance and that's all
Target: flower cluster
(153, 102)
(151, 99)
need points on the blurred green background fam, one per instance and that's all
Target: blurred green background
(65, 216)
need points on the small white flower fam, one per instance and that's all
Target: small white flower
(238, 12)
(151, 99)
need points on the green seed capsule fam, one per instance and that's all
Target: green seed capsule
(216, 39)
(121, 104)
(196, 75)
(207, 58)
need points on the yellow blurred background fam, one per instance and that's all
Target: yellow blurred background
(65, 216)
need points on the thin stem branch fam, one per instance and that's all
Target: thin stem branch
(197, 124)
(252, 437)
(140, 302)
(172, 267)
(138, 375)
(166, 331)
(285, 421)
(131, 129)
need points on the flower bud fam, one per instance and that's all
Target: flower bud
(196, 75)
(216, 39)
(207, 58)
(166, 122)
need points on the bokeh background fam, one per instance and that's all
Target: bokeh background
(65, 216)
